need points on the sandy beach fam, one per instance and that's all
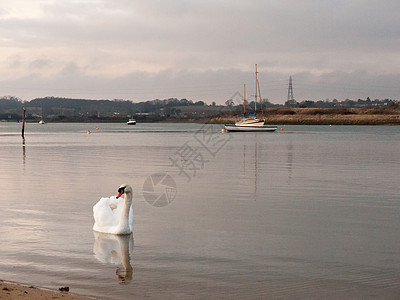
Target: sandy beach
(16, 291)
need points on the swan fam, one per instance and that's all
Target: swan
(114, 215)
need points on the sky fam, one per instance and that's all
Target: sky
(199, 50)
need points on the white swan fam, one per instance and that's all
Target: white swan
(114, 215)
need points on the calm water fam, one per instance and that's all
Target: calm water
(307, 212)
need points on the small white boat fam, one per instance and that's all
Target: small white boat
(264, 128)
(131, 122)
(42, 122)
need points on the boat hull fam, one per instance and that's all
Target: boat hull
(265, 128)
(131, 122)
(250, 122)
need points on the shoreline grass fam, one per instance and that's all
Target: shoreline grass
(322, 116)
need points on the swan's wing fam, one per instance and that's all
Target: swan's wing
(114, 202)
(104, 215)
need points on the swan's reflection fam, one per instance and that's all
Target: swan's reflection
(115, 249)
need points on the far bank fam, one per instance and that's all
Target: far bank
(320, 116)
(272, 116)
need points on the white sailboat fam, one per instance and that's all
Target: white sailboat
(251, 123)
(42, 121)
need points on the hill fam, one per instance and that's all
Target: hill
(55, 109)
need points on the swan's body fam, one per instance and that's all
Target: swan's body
(114, 215)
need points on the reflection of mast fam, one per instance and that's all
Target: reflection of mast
(255, 172)
(255, 167)
(244, 158)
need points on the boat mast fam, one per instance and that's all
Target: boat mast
(255, 101)
(244, 100)
(259, 93)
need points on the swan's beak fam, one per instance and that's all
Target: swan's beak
(120, 194)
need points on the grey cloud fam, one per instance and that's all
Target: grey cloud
(202, 43)
(208, 86)
(39, 63)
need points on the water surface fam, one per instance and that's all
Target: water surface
(305, 212)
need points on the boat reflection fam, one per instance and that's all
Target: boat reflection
(253, 176)
(115, 249)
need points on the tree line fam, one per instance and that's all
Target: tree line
(59, 108)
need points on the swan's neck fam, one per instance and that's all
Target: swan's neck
(124, 219)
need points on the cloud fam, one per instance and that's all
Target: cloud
(168, 45)
(39, 63)
(211, 85)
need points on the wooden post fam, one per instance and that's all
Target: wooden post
(23, 124)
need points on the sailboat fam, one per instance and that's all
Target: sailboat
(251, 123)
(42, 121)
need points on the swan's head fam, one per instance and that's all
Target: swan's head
(124, 189)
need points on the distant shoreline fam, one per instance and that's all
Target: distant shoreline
(272, 116)
(322, 116)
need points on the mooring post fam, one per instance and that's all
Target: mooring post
(23, 124)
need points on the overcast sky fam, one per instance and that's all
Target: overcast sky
(199, 50)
